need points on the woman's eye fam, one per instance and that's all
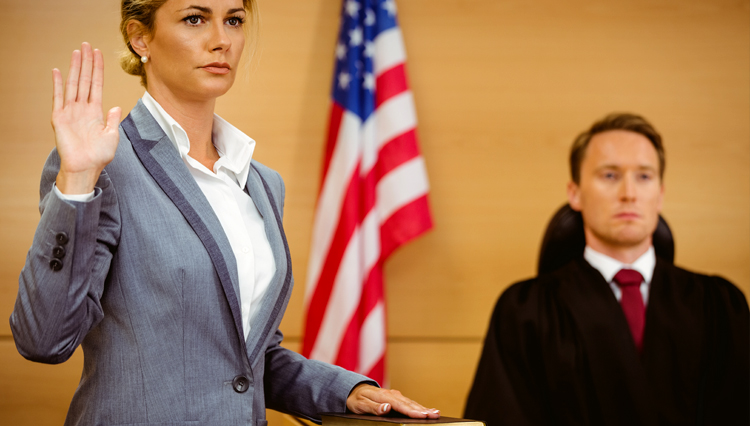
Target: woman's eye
(235, 21)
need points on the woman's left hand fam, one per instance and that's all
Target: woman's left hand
(368, 399)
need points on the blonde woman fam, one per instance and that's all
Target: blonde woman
(160, 248)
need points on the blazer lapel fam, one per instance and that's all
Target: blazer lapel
(274, 302)
(162, 161)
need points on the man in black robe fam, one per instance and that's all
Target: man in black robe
(618, 336)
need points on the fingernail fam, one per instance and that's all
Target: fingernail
(385, 407)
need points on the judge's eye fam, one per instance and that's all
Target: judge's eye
(193, 19)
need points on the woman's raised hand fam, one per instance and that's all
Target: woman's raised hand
(85, 142)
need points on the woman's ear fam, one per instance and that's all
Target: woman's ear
(137, 36)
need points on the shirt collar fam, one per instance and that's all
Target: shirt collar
(235, 147)
(608, 266)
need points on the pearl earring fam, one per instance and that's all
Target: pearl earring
(144, 59)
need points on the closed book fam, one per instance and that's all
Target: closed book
(342, 419)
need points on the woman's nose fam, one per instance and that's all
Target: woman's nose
(219, 38)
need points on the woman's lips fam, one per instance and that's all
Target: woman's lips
(217, 68)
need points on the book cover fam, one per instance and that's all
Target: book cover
(345, 419)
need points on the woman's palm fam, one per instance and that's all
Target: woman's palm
(85, 142)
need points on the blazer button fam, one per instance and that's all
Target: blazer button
(61, 238)
(55, 264)
(240, 384)
(58, 252)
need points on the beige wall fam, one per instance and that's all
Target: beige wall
(501, 86)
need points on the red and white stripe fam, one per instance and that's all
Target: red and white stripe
(373, 199)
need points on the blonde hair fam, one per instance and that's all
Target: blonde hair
(144, 11)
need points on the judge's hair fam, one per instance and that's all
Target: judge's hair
(144, 11)
(615, 121)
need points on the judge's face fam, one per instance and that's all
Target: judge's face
(620, 192)
(195, 48)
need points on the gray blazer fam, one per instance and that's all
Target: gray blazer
(144, 279)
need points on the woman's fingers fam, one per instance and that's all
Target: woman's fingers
(71, 87)
(57, 90)
(84, 80)
(360, 401)
(97, 82)
(372, 400)
(82, 74)
(406, 406)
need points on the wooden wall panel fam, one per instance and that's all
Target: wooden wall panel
(33, 393)
(436, 373)
(501, 88)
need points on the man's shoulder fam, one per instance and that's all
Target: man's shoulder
(693, 281)
(573, 270)
(547, 286)
(685, 273)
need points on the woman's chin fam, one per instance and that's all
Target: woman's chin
(219, 87)
(206, 90)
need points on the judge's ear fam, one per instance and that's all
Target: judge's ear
(660, 202)
(574, 196)
(138, 37)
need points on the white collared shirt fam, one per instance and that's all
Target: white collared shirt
(608, 267)
(224, 188)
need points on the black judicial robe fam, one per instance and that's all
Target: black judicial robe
(559, 352)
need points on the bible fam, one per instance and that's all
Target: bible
(344, 419)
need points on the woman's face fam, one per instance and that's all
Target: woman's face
(195, 48)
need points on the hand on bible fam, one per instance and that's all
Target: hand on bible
(368, 399)
(85, 142)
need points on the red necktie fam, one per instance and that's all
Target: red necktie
(629, 282)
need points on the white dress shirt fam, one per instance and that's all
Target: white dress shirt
(608, 267)
(224, 189)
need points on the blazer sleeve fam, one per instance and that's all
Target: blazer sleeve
(62, 281)
(303, 387)
(294, 384)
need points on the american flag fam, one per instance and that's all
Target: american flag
(374, 193)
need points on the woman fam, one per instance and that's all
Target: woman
(160, 249)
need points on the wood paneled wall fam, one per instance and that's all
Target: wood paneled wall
(501, 88)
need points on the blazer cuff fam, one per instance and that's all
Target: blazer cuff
(364, 382)
(80, 198)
